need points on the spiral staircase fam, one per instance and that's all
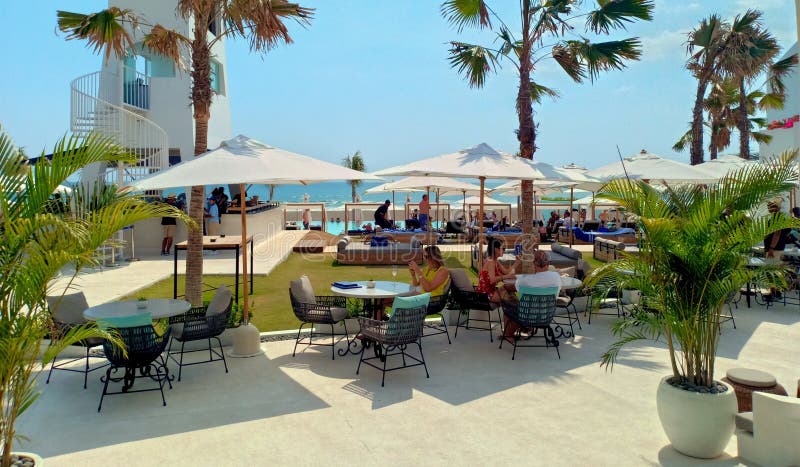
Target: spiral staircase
(116, 105)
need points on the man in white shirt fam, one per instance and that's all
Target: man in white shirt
(542, 276)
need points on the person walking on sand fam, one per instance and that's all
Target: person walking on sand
(424, 212)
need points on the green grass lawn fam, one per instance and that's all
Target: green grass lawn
(270, 307)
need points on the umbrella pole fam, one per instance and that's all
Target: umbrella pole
(247, 340)
(438, 191)
(464, 206)
(573, 223)
(593, 205)
(535, 210)
(480, 228)
(394, 209)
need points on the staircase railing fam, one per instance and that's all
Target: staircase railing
(101, 103)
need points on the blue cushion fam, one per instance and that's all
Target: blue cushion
(412, 301)
(537, 291)
(379, 241)
(130, 321)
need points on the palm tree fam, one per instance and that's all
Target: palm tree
(540, 22)
(355, 162)
(751, 53)
(694, 256)
(37, 243)
(705, 46)
(721, 105)
(261, 22)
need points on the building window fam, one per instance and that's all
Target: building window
(217, 84)
(212, 27)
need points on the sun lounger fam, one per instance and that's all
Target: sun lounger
(357, 252)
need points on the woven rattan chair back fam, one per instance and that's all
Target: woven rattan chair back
(405, 325)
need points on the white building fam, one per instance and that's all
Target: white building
(143, 100)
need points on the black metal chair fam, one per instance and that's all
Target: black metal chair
(323, 309)
(67, 312)
(144, 353)
(730, 301)
(613, 298)
(533, 313)
(437, 306)
(468, 300)
(392, 338)
(566, 302)
(202, 323)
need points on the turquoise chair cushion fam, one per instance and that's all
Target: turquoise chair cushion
(130, 321)
(537, 291)
(412, 301)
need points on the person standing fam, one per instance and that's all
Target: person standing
(168, 226)
(774, 244)
(306, 219)
(424, 212)
(212, 218)
(222, 200)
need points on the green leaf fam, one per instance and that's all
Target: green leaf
(614, 14)
(466, 13)
(539, 91)
(104, 30)
(472, 61)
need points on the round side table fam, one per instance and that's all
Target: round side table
(745, 382)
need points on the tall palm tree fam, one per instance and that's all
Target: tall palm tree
(355, 162)
(542, 23)
(705, 46)
(260, 22)
(36, 243)
(752, 54)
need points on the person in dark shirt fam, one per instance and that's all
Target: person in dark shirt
(168, 225)
(381, 216)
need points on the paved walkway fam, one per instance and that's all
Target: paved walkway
(107, 284)
(478, 407)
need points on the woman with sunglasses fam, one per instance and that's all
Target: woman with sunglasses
(434, 277)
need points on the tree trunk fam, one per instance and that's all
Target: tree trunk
(713, 148)
(742, 124)
(201, 101)
(696, 151)
(353, 191)
(526, 135)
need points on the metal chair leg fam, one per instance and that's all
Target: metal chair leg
(222, 353)
(422, 357)
(297, 340)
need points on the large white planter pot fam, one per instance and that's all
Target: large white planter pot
(698, 425)
(37, 459)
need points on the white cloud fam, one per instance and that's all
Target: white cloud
(667, 44)
(763, 5)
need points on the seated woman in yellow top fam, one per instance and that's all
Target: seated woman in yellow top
(435, 277)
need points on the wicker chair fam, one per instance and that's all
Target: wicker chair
(144, 353)
(534, 312)
(201, 323)
(437, 306)
(392, 337)
(317, 309)
(67, 312)
(470, 300)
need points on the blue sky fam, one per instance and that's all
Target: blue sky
(373, 76)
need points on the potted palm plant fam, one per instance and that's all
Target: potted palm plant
(36, 242)
(695, 252)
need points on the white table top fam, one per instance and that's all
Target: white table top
(383, 289)
(567, 282)
(158, 307)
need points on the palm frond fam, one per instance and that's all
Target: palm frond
(262, 23)
(103, 30)
(778, 71)
(466, 13)
(683, 142)
(539, 91)
(473, 61)
(603, 56)
(614, 14)
(168, 43)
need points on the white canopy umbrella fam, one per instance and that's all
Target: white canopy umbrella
(243, 160)
(481, 162)
(419, 183)
(723, 165)
(477, 200)
(653, 169)
(591, 200)
(388, 188)
(542, 187)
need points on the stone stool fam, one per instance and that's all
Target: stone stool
(745, 382)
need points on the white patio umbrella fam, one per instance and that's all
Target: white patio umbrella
(514, 188)
(440, 184)
(652, 169)
(243, 160)
(722, 165)
(590, 200)
(481, 162)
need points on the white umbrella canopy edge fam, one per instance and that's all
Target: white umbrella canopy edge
(653, 168)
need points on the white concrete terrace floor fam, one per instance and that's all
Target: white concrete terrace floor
(478, 407)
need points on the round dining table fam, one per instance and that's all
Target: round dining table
(158, 308)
